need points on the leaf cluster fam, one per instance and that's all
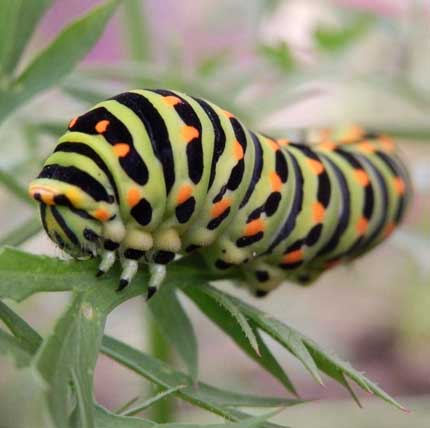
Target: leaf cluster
(64, 361)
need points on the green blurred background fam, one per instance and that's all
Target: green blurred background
(281, 66)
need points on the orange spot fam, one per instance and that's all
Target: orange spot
(399, 185)
(121, 149)
(318, 212)
(133, 196)
(46, 195)
(101, 126)
(327, 145)
(254, 227)
(273, 144)
(316, 166)
(293, 257)
(101, 214)
(48, 198)
(189, 133)
(325, 133)
(353, 133)
(228, 114)
(387, 143)
(283, 142)
(389, 229)
(362, 177)
(276, 181)
(171, 100)
(220, 207)
(238, 150)
(366, 147)
(184, 193)
(72, 123)
(362, 226)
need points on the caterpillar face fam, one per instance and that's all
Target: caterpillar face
(73, 204)
(151, 174)
(73, 232)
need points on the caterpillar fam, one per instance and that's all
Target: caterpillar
(151, 175)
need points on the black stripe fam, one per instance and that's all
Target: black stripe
(142, 212)
(296, 207)
(220, 194)
(78, 178)
(194, 147)
(116, 132)
(345, 213)
(87, 151)
(383, 191)
(297, 245)
(369, 201)
(349, 157)
(236, 176)
(324, 189)
(219, 140)
(401, 208)
(215, 222)
(245, 241)
(306, 150)
(397, 172)
(43, 218)
(64, 201)
(68, 232)
(90, 235)
(156, 129)
(256, 173)
(314, 235)
(239, 132)
(237, 172)
(272, 203)
(281, 166)
(185, 210)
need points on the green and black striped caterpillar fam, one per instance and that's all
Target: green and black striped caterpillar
(152, 174)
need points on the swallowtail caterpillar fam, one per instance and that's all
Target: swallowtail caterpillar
(149, 175)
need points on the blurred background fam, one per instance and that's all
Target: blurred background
(281, 66)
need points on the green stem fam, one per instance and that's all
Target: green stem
(15, 187)
(136, 30)
(21, 233)
(162, 411)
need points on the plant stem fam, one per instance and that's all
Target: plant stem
(15, 187)
(161, 411)
(21, 233)
(136, 30)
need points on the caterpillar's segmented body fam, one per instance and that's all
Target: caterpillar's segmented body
(150, 174)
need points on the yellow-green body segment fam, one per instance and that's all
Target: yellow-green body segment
(152, 174)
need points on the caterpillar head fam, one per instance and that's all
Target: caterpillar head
(72, 212)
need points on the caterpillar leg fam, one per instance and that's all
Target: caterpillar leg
(157, 274)
(108, 260)
(113, 233)
(129, 269)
